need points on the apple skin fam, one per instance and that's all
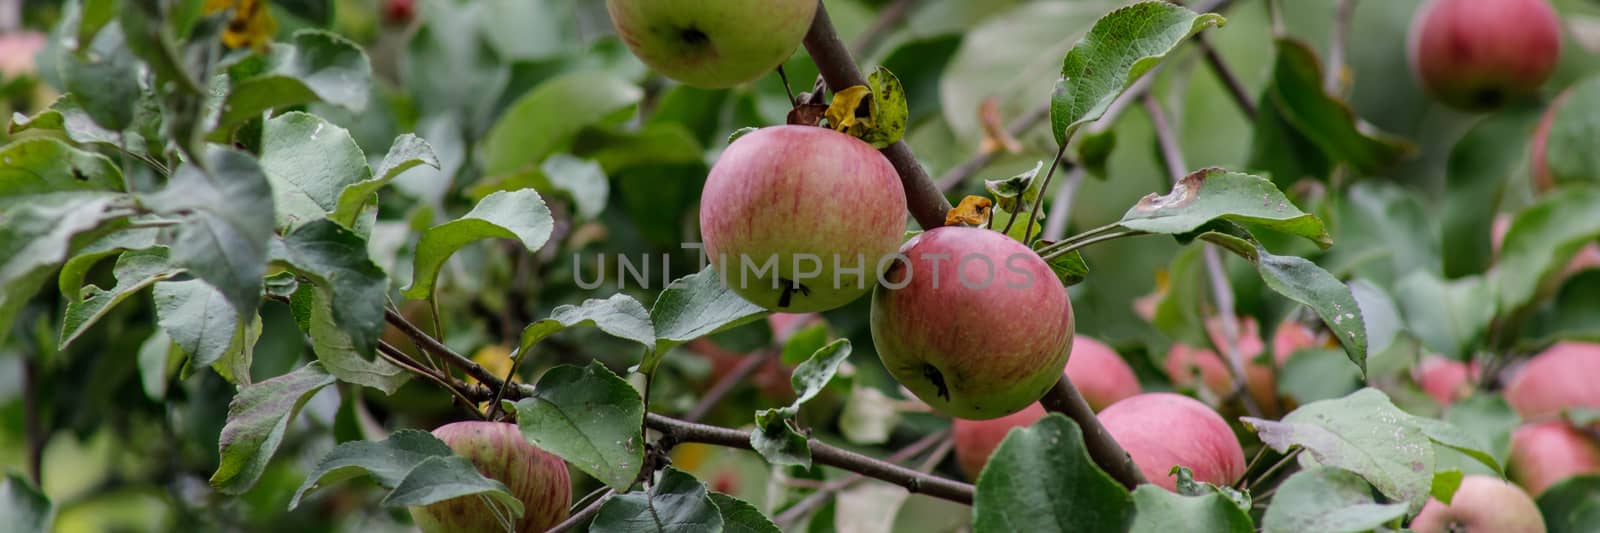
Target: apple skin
(1483, 503)
(972, 342)
(1445, 380)
(1477, 55)
(1161, 430)
(1544, 453)
(500, 452)
(1100, 374)
(976, 440)
(1260, 380)
(802, 200)
(712, 44)
(1561, 377)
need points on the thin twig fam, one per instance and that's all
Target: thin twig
(891, 16)
(1344, 11)
(433, 346)
(32, 427)
(1230, 80)
(1039, 202)
(722, 387)
(582, 516)
(811, 501)
(1063, 250)
(399, 358)
(1287, 458)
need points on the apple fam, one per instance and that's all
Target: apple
(1544, 453)
(1100, 374)
(1477, 55)
(17, 51)
(399, 12)
(1562, 377)
(1188, 366)
(972, 322)
(801, 219)
(537, 478)
(785, 325)
(1291, 337)
(1446, 380)
(1160, 430)
(975, 440)
(1482, 503)
(712, 44)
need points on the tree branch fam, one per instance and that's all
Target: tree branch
(1065, 399)
(438, 349)
(584, 515)
(926, 203)
(822, 453)
(1230, 81)
(811, 501)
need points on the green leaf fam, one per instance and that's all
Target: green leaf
(1445, 485)
(314, 66)
(1569, 151)
(1378, 313)
(257, 419)
(1160, 511)
(692, 307)
(583, 180)
(104, 75)
(343, 335)
(620, 316)
(812, 375)
(589, 417)
(738, 516)
(677, 502)
(387, 461)
(775, 437)
(1327, 499)
(310, 162)
(198, 318)
(1366, 434)
(1069, 267)
(66, 115)
(1020, 189)
(1571, 315)
(235, 363)
(157, 356)
(70, 280)
(1449, 317)
(1476, 176)
(26, 509)
(1321, 120)
(804, 342)
(545, 118)
(134, 271)
(1314, 374)
(1023, 227)
(38, 166)
(318, 12)
(1489, 420)
(437, 479)
(1122, 46)
(35, 237)
(1542, 239)
(1216, 194)
(1303, 281)
(1041, 479)
(227, 215)
(336, 350)
(407, 152)
(889, 110)
(519, 215)
(1571, 506)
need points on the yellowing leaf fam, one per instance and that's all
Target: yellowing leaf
(251, 24)
(495, 357)
(973, 211)
(842, 111)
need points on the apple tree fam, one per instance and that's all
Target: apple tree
(790, 265)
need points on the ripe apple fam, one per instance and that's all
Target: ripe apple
(1291, 337)
(1161, 430)
(801, 219)
(1482, 503)
(1446, 380)
(537, 478)
(1544, 453)
(1562, 377)
(1099, 373)
(1479, 54)
(972, 322)
(712, 44)
(1184, 363)
(977, 439)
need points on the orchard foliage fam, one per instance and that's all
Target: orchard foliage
(253, 251)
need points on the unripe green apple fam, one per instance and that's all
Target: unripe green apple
(1562, 377)
(1544, 453)
(972, 322)
(1160, 430)
(1099, 373)
(537, 478)
(712, 44)
(801, 219)
(1479, 54)
(1482, 503)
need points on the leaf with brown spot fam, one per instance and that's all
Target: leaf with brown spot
(842, 115)
(973, 211)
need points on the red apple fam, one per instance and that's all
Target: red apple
(1445, 380)
(17, 51)
(1161, 430)
(1482, 503)
(1184, 363)
(1291, 337)
(537, 478)
(972, 322)
(977, 439)
(399, 12)
(712, 44)
(1544, 453)
(801, 219)
(1099, 373)
(1564, 376)
(785, 325)
(1479, 54)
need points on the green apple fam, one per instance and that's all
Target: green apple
(712, 44)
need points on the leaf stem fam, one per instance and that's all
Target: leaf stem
(1063, 250)
(583, 515)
